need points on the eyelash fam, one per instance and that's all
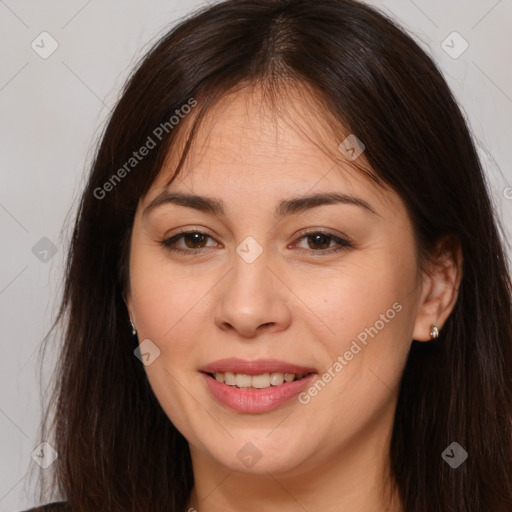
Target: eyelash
(342, 243)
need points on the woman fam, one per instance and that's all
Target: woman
(286, 287)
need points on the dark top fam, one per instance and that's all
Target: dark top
(60, 506)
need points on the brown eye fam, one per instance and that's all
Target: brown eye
(194, 240)
(320, 242)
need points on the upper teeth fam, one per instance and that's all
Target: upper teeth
(264, 380)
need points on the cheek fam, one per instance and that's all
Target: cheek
(369, 293)
(367, 309)
(165, 298)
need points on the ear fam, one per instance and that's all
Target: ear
(439, 288)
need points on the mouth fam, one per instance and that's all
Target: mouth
(260, 381)
(255, 386)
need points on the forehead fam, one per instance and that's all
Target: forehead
(248, 147)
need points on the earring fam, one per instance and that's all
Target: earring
(434, 332)
(134, 331)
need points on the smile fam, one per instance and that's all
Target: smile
(261, 381)
(250, 399)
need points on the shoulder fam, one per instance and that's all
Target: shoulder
(60, 506)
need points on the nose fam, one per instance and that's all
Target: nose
(252, 299)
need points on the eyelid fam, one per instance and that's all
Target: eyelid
(323, 231)
(302, 232)
(188, 229)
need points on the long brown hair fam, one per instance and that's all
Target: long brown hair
(117, 448)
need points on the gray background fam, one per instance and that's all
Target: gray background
(52, 113)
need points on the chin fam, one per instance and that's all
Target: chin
(259, 453)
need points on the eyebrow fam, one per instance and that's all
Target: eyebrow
(286, 207)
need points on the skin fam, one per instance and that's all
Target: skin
(304, 307)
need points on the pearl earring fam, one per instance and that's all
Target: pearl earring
(434, 332)
(134, 331)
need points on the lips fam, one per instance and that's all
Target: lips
(257, 367)
(229, 382)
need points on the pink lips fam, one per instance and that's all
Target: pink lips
(249, 400)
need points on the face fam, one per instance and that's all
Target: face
(326, 291)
